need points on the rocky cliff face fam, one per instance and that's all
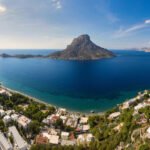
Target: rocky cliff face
(82, 48)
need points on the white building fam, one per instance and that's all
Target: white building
(148, 133)
(52, 131)
(19, 141)
(2, 92)
(61, 111)
(72, 122)
(139, 106)
(127, 104)
(84, 138)
(148, 130)
(2, 112)
(67, 142)
(23, 121)
(51, 119)
(4, 144)
(53, 139)
(64, 135)
(46, 121)
(5, 92)
(86, 128)
(7, 119)
(114, 115)
(64, 118)
(83, 120)
(14, 117)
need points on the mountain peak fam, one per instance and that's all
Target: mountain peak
(82, 48)
(84, 37)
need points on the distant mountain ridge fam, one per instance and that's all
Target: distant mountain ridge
(4, 55)
(146, 49)
(82, 48)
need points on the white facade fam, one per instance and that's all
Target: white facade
(67, 142)
(19, 141)
(24, 121)
(86, 127)
(148, 133)
(61, 111)
(139, 106)
(127, 104)
(84, 120)
(64, 118)
(2, 91)
(148, 130)
(72, 122)
(4, 144)
(84, 138)
(53, 139)
(52, 131)
(2, 112)
(64, 135)
(5, 92)
(7, 119)
(14, 117)
(114, 115)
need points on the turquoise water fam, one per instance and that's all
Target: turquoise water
(78, 85)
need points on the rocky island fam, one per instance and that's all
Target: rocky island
(82, 48)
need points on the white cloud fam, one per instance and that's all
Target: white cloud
(124, 32)
(111, 17)
(134, 28)
(104, 8)
(2, 9)
(57, 4)
(147, 21)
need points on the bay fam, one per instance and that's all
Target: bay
(78, 85)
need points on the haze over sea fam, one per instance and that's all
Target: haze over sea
(78, 85)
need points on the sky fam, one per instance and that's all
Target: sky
(52, 24)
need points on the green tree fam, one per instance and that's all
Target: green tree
(144, 147)
(59, 124)
(2, 125)
(34, 127)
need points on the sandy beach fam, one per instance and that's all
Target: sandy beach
(30, 97)
(40, 101)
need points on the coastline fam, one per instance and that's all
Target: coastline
(48, 104)
(30, 97)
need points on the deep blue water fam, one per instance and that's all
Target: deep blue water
(78, 85)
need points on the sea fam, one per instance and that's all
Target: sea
(80, 86)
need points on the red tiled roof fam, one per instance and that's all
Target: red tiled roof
(72, 136)
(41, 140)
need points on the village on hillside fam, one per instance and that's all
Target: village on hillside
(26, 124)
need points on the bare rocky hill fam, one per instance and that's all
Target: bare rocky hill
(82, 48)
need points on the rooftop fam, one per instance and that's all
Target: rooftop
(18, 139)
(40, 139)
(23, 120)
(4, 142)
(84, 120)
(53, 139)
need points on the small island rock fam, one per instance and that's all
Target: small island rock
(82, 48)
